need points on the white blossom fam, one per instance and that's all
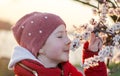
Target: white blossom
(112, 33)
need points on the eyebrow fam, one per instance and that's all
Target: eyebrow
(61, 32)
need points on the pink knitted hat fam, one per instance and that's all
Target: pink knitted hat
(33, 29)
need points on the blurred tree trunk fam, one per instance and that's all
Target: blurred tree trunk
(4, 25)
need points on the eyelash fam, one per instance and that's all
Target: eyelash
(60, 36)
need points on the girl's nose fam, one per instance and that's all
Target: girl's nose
(68, 42)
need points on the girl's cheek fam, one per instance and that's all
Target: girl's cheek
(59, 46)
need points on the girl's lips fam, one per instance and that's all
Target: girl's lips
(66, 50)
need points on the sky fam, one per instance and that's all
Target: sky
(73, 13)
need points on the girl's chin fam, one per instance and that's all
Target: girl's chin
(66, 59)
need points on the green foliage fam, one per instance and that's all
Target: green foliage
(4, 67)
(114, 69)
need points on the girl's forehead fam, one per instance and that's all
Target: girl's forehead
(60, 29)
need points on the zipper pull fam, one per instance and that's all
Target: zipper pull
(35, 73)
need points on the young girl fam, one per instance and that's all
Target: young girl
(92, 48)
(43, 47)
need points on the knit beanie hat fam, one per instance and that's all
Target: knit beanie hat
(33, 29)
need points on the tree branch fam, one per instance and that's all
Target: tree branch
(86, 3)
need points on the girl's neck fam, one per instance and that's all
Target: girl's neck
(47, 62)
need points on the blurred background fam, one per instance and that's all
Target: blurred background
(73, 12)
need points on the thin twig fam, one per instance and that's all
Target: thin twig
(116, 3)
(86, 3)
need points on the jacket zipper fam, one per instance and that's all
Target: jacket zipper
(29, 69)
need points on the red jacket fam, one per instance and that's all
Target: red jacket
(66, 69)
(99, 70)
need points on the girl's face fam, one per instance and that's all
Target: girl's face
(56, 48)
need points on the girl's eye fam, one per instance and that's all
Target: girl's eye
(60, 36)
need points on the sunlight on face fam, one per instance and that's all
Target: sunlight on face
(55, 47)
